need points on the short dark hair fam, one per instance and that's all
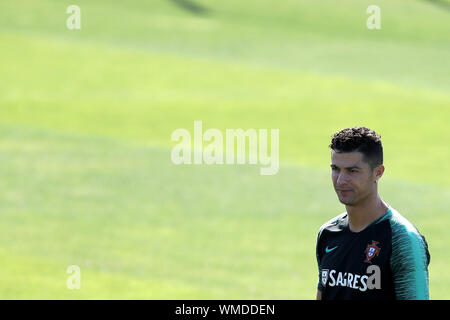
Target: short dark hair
(361, 139)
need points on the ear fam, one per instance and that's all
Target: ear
(378, 172)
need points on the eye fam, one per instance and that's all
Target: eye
(354, 171)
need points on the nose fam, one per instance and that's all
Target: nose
(342, 179)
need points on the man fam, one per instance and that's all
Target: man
(370, 251)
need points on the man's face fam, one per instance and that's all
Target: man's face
(353, 178)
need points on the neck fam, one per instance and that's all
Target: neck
(366, 212)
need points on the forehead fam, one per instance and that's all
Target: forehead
(347, 159)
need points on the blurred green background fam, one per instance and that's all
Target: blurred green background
(86, 117)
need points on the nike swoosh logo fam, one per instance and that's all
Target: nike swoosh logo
(329, 250)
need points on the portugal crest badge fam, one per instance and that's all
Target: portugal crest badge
(372, 250)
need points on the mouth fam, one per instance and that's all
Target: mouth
(344, 191)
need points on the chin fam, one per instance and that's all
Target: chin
(347, 202)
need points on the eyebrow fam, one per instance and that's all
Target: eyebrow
(348, 168)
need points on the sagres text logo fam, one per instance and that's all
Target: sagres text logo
(370, 280)
(215, 147)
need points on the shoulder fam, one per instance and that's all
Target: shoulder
(402, 229)
(335, 224)
(406, 239)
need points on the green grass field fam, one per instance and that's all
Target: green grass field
(85, 123)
